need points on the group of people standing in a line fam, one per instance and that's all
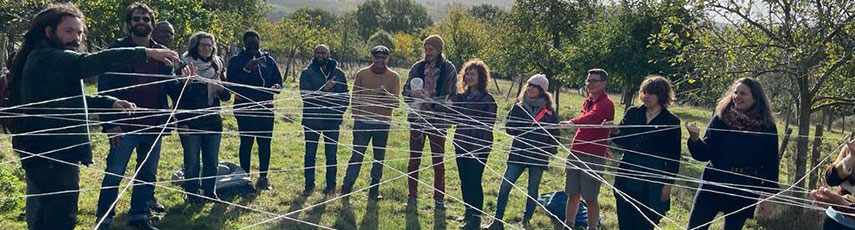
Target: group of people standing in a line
(145, 97)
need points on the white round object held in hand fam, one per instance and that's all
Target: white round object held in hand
(416, 83)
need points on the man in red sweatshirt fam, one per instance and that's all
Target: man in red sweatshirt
(589, 149)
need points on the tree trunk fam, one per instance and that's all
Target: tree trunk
(496, 82)
(628, 98)
(519, 87)
(557, 98)
(511, 89)
(802, 139)
(814, 158)
(787, 117)
(783, 149)
(290, 60)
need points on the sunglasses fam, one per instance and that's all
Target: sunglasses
(144, 19)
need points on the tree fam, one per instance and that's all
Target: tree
(486, 12)
(370, 16)
(317, 17)
(393, 16)
(405, 16)
(381, 37)
(464, 35)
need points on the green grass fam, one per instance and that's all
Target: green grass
(389, 213)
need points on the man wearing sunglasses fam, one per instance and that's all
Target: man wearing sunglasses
(141, 131)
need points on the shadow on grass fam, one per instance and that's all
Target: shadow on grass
(439, 222)
(346, 218)
(371, 218)
(413, 218)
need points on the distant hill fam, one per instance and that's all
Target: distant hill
(435, 8)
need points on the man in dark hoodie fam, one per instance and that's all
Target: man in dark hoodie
(141, 131)
(432, 83)
(324, 90)
(46, 74)
(256, 78)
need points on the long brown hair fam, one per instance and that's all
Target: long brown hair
(484, 77)
(550, 104)
(49, 17)
(761, 102)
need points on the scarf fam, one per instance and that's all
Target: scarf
(750, 121)
(212, 74)
(533, 105)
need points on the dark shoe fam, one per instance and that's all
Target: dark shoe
(329, 190)
(374, 194)
(345, 189)
(157, 207)
(526, 223)
(496, 225)
(193, 199)
(307, 191)
(470, 225)
(263, 184)
(143, 224)
(439, 204)
(412, 202)
(211, 197)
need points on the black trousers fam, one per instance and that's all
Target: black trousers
(709, 204)
(57, 211)
(471, 172)
(255, 127)
(645, 197)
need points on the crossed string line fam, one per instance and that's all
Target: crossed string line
(752, 198)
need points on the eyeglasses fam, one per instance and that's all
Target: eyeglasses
(144, 19)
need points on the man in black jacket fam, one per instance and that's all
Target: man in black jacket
(323, 88)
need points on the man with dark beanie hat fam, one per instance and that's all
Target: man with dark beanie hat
(431, 83)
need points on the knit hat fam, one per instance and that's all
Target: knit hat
(539, 80)
(435, 41)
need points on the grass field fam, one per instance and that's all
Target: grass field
(388, 213)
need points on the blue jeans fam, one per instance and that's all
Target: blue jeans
(363, 133)
(512, 173)
(209, 146)
(117, 163)
(312, 134)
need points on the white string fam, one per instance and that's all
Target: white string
(541, 126)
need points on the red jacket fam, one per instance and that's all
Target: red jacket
(594, 112)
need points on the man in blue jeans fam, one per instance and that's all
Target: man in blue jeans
(140, 131)
(375, 90)
(323, 88)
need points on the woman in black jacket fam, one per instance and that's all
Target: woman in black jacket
(533, 124)
(741, 144)
(653, 154)
(474, 114)
(200, 125)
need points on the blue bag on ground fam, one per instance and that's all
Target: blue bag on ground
(556, 203)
